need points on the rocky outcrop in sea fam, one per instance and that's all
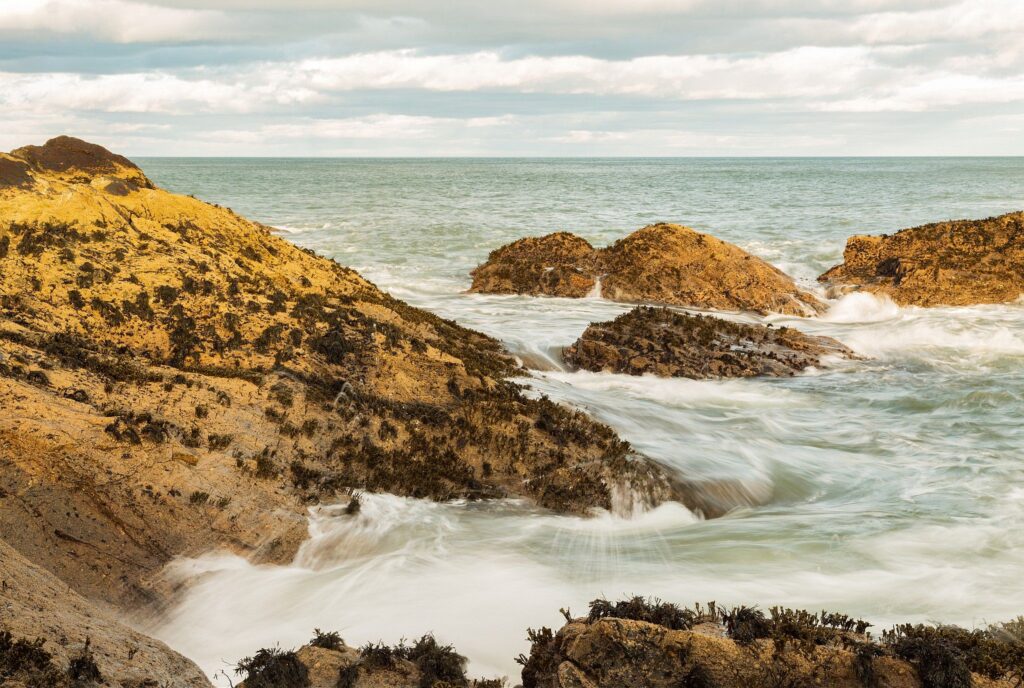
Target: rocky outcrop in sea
(663, 342)
(662, 263)
(956, 263)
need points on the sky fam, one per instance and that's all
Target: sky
(519, 77)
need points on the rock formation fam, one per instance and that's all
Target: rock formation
(175, 378)
(327, 662)
(663, 342)
(957, 263)
(62, 624)
(659, 645)
(663, 263)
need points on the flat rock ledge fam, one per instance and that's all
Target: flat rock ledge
(662, 263)
(956, 263)
(666, 343)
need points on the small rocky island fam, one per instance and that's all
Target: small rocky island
(663, 342)
(663, 263)
(956, 263)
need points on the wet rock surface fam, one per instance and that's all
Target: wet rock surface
(956, 263)
(662, 342)
(663, 263)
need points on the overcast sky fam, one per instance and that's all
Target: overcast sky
(523, 77)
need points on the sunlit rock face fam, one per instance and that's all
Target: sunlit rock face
(663, 263)
(176, 378)
(957, 263)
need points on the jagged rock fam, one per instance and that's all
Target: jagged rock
(34, 604)
(663, 342)
(957, 263)
(662, 263)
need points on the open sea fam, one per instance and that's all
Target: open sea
(893, 487)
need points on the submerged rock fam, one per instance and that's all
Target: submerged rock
(663, 342)
(662, 263)
(956, 263)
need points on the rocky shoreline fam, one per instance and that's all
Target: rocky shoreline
(176, 379)
(640, 642)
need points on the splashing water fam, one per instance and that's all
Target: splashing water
(892, 488)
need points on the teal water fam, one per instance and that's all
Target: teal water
(893, 488)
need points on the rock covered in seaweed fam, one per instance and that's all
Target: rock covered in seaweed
(956, 263)
(559, 264)
(327, 662)
(660, 645)
(667, 343)
(662, 263)
(175, 378)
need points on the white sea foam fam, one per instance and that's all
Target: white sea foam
(862, 307)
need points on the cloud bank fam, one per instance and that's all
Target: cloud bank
(561, 77)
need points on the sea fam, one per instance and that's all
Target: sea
(892, 487)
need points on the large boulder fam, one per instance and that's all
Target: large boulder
(956, 263)
(663, 342)
(662, 263)
(559, 264)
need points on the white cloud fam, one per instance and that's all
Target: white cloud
(807, 78)
(145, 92)
(805, 71)
(118, 21)
(806, 61)
(372, 127)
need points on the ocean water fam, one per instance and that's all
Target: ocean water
(893, 487)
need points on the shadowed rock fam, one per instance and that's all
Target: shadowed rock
(663, 342)
(63, 153)
(662, 263)
(35, 604)
(13, 172)
(327, 662)
(956, 263)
